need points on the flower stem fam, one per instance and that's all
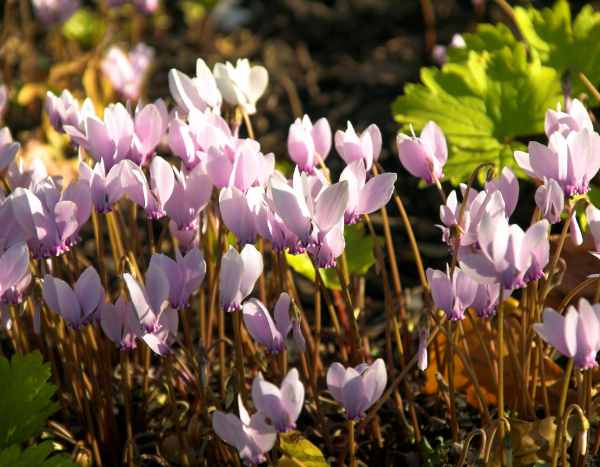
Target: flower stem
(126, 388)
(239, 354)
(351, 443)
(501, 372)
(561, 411)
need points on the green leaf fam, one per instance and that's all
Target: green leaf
(484, 102)
(561, 43)
(299, 452)
(359, 254)
(25, 398)
(85, 27)
(33, 456)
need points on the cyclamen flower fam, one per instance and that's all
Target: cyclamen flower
(191, 193)
(199, 93)
(50, 220)
(352, 147)
(272, 334)
(106, 189)
(239, 211)
(308, 208)
(153, 196)
(76, 305)
(281, 405)
(440, 52)
(486, 300)
(240, 164)
(309, 144)
(241, 85)
(251, 436)
(120, 323)
(477, 203)
(357, 389)
(185, 274)
(14, 274)
(20, 175)
(158, 320)
(186, 238)
(50, 12)
(365, 198)
(575, 119)
(149, 126)
(452, 293)
(572, 160)
(127, 72)
(550, 200)
(424, 157)
(575, 335)
(239, 272)
(65, 110)
(108, 140)
(191, 140)
(507, 253)
(8, 148)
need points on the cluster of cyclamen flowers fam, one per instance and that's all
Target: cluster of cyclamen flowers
(496, 257)
(119, 160)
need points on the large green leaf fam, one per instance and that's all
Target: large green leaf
(299, 452)
(561, 43)
(25, 398)
(484, 102)
(359, 254)
(33, 456)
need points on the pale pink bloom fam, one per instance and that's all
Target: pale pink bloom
(239, 272)
(575, 119)
(127, 72)
(15, 275)
(575, 335)
(309, 144)
(120, 323)
(424, 156)
(452, 293)
(198, 93)
(65, 110)
(352, 147)
(242, 84)
(50, 12)
(550, 200)
(593, 218)
(8, 148)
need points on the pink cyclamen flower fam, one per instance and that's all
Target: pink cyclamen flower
(550, 200)
(357, 389)
(158, 320)
(575, 335)
(107, 140)
(365, 197)
(453, 294)
(252, 436)
(486, 300)
(240, 164)
(352, 147)
(239, 272)
(50, 12)
(572, 160)
(65, 110)
(106, 188)
(51, 220)
(239, 211)
(153, 196)
(272, 333)
(127, 72)
(149, 126)
(184, 273)
(8, 148)
(191, 140)
(575, 119)
(120, 323)
(424, 157)
(281, 405)
(593, 218)
(199, 93)
(76, 305)
(476, 204)
(186, 238)
(26, 176)
(308, 207)
(309, 144)
(507, 254)
(575, 231)
(14, 274)
(191, 193)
